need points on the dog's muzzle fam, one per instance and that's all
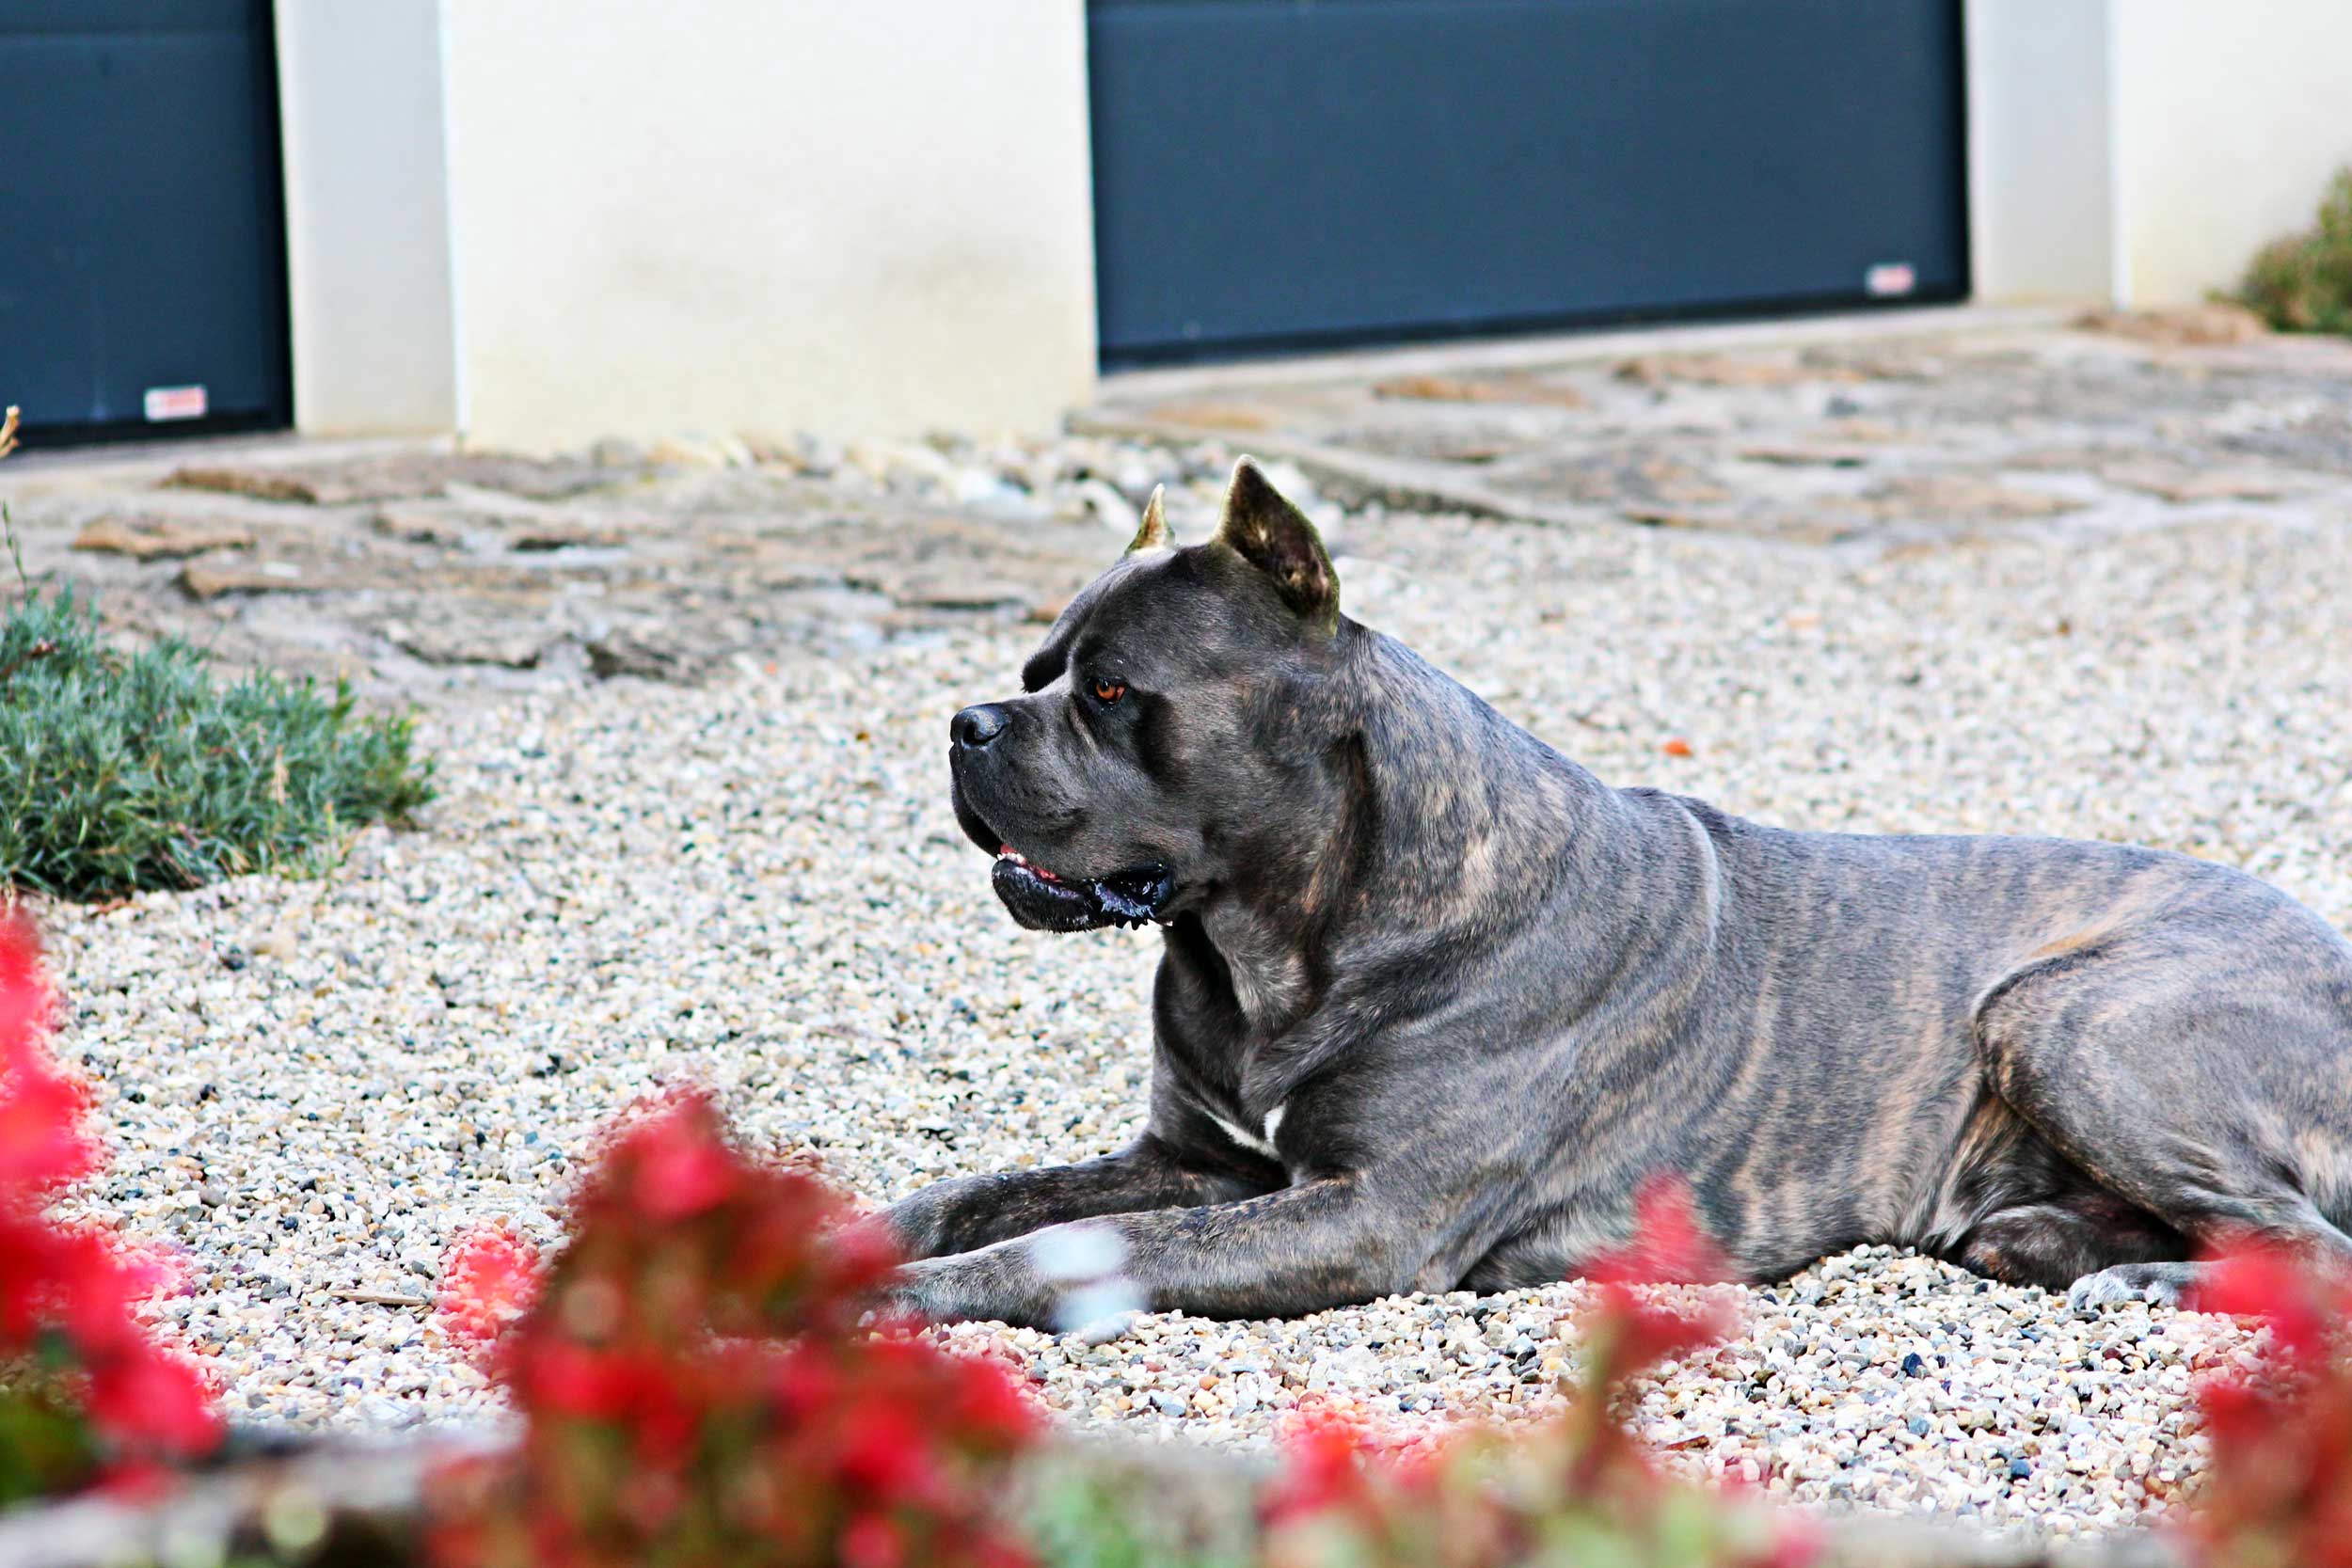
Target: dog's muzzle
(1037, 897)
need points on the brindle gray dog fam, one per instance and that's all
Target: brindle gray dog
(1436, 1000)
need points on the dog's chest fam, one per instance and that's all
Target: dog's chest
(1254, 1142)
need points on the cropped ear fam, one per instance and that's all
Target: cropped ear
(1154, 534)
(1274, 536)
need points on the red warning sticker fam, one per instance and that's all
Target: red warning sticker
(175, 403)
(1890, 279)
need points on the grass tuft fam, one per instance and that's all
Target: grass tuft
(122, 771)
(2303, 282)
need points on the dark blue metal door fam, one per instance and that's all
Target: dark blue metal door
(1278, 172)
(142, 236)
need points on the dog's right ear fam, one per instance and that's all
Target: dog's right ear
(1154, 534)
(1274, 536)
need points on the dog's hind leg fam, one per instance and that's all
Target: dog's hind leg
(2200, 1074)
(2064, 1238)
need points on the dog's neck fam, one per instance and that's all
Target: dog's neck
(1440, 821)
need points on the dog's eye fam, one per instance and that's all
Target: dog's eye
(1107, 691)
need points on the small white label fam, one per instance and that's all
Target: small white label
(175, 403)
(1890, 279)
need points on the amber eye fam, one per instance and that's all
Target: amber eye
(1107, 691)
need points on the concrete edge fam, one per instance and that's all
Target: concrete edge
(139, 461)
(1355, 479)
(1125, 388)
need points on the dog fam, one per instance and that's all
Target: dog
(1436, 1003)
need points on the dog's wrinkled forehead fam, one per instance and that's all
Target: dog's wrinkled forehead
(1150, 614)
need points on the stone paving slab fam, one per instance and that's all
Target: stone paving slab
(429, 572)
(1954, 432)
(415, 569)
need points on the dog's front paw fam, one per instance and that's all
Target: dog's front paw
(1082, 1262)
(964, 1286)
(903, 1295)
(924, 1224)
(2157, 1284)
(1061, 1279)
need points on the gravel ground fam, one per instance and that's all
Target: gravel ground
(757, 883)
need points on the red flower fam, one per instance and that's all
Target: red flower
(42, 1144)
(803, 1382)
(864, 1253)
(2252, 1278)
(567, 1379)
(695, 1383)
(987, 1399)
(24, 999)
(2234, 1412)
(489, 1279)
(1323, 1464)
(1644, 1333)
(681, 1165)
(156, 1401)
(872, 1542)
(2279, 1486)
(1668, 1247)
(882, 1455)
(78, 1282)
(94, 1282)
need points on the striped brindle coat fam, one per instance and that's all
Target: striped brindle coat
(1436, 1000)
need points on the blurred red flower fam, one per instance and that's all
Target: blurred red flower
(2278, 1489)
(72, 1292)
(696, 1386)
(488, 1280)
(1481, 1498)
(1668, 1247)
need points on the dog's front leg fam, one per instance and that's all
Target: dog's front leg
(968, 1211)
(1322, 1244)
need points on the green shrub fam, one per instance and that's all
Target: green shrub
(2303, 283)
(122, 771)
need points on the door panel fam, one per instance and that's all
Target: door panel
(1280, 172)
(141, 223)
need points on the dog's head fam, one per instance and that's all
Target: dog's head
(1151, 755)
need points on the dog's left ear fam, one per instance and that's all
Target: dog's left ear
(1152, 534)
(1271, 535)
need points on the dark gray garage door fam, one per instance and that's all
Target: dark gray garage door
(142, 250)
(1280, 172)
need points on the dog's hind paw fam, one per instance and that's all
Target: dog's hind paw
(2158, 1283)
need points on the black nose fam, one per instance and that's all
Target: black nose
(975, 727)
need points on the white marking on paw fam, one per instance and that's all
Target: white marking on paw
(2113, 1287)
(1068, 1254)
(1094, 1313)
(2094, 1290)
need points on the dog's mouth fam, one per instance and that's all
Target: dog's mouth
(1046, 901)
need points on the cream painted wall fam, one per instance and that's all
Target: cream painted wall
(767, 214)
(2229, 117)
(542, 221)
(2141, 151)
(367, 216)
(2040, 179)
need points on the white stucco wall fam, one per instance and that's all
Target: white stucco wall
(767, 214)
(367, 216)
(2040, 176)
(2229, 115)
(2141, 151)
(542, 221)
